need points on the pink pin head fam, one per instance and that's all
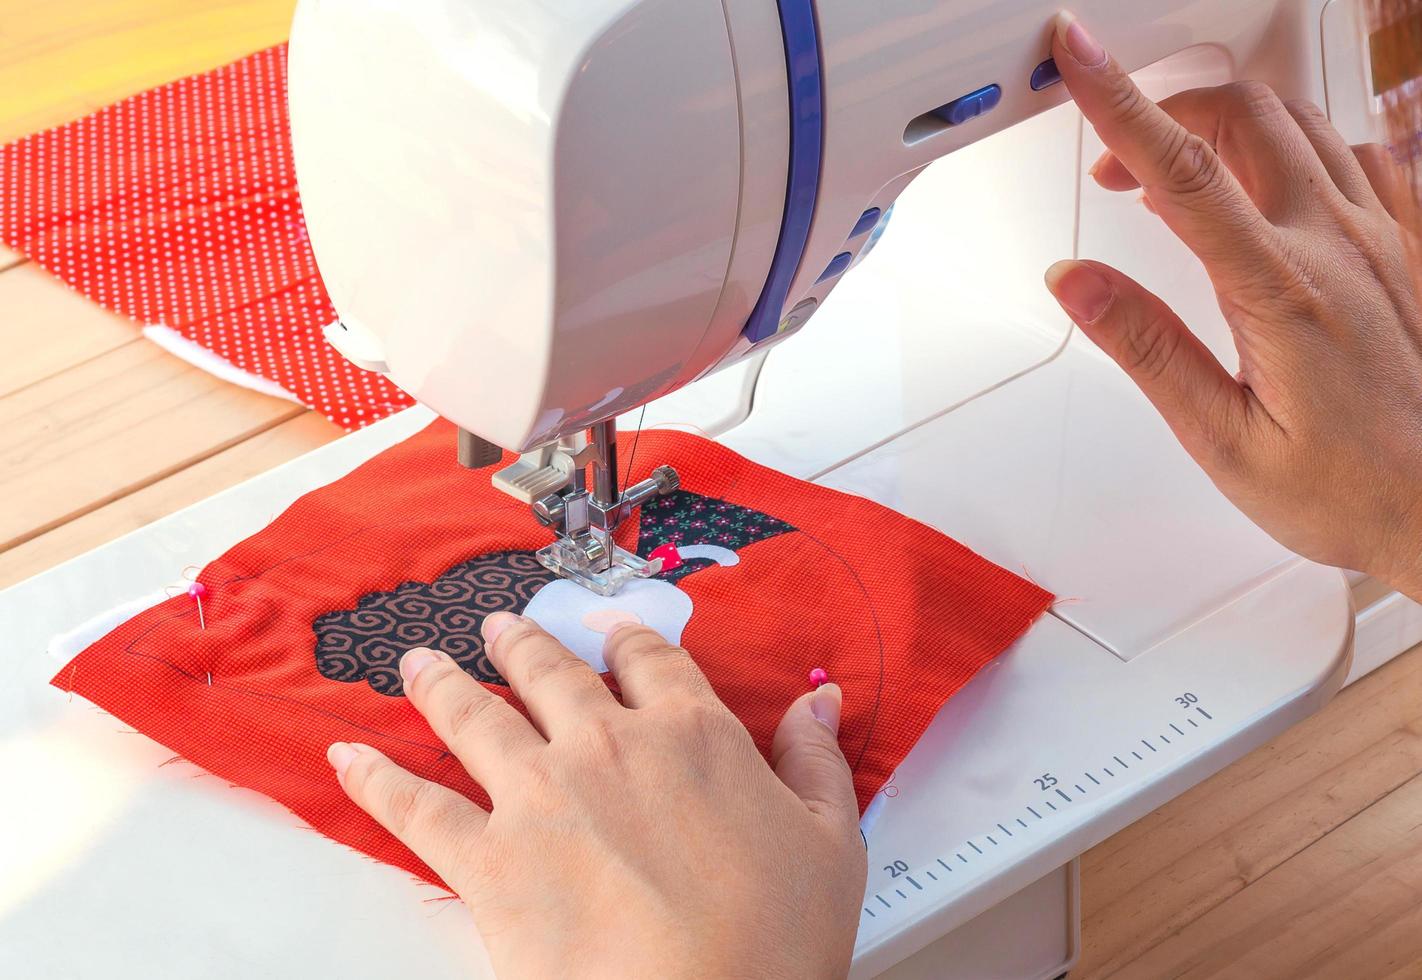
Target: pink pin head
(819, 677)
(671, 558)
(197, 590)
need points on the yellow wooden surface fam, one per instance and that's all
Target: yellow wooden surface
(1158, 897)
(1302, 860)
(197, 481)
(110, 426)
(61, 59)
(100, 431)
(48, 329)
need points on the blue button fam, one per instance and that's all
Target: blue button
(837, 265)
(1045, 75)
(970, 106)
(866, 223)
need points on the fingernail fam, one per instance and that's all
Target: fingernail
(1145, 201)
(1082, 291)
(494, 625)
(1078, 41)
(825, 705)
(618, 627)
(1100, 162)
(340, 755)
(415, 661)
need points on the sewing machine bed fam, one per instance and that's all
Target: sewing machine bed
(1060, 743)
(1184, 638)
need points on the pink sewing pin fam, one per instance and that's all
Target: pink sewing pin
(819, 677)
(196, 591)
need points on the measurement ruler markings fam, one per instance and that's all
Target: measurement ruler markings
(1193, 723)
(871, 912)
(1032, 810)
(1079, 788)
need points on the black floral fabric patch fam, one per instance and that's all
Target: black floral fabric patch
(366, 643)
(684, 518)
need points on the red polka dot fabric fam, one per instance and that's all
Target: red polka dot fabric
(178, 207)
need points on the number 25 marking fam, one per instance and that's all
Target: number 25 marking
(1045, 781)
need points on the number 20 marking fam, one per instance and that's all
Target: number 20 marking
(897, 868)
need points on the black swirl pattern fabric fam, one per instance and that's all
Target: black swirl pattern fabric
(366, 643)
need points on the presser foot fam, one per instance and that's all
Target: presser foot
(553, 480)
(570, 560)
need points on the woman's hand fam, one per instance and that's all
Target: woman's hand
(1319, 438)
(646, 838)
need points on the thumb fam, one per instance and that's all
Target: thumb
(1198, 398)
(806, 756)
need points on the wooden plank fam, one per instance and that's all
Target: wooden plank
(62, 59)
(1348, 906)
(46, 327)
(246, 459)
(110, 426)
(1178, 864)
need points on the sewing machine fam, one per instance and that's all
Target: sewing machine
(538, 217)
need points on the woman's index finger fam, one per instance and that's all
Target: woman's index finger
(1181, 173)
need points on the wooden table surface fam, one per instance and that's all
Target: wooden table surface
(1302, 860)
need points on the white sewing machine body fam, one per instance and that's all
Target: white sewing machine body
(940, 380)
(533, 215)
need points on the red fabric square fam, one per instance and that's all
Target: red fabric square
(178, 207)
(897, 614)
